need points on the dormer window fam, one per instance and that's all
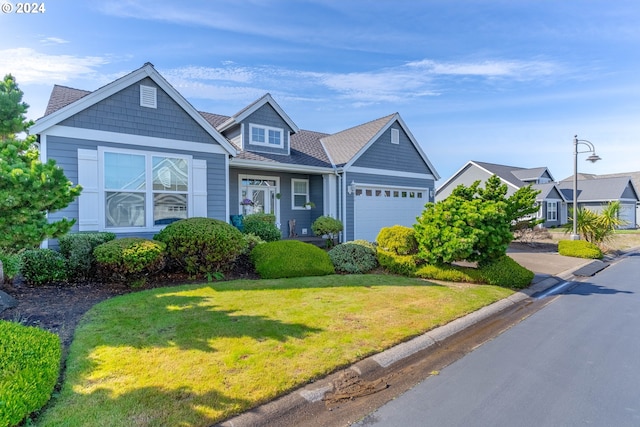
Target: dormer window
(266, 136)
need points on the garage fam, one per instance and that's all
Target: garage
(378, 207)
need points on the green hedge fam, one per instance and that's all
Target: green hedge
(579, 249)
(290, 258)
(30, 364)
(353, 258)
(130, 258)
(202, 245)
(11, 265)
(43, 266)
(262, 225)
(78, 248)
(502, 272)
(405, 265)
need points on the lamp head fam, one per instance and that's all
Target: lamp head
(593, 158)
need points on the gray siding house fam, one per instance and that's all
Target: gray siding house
(551, 201)
(146, 157)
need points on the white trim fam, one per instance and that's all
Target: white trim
(116, 86)
(137, 140)
(275, 178)
(277, 167)
(386, 172)
(227, 189)
(266, 142)
(363, 185)
(148, 96)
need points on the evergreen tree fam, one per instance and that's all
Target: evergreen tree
(29, 189)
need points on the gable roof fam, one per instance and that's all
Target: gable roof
(598, 189)
(59, 111)
(547, 190)
(252, 108)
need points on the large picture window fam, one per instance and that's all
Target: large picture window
(144, 190)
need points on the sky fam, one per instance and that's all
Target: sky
(508, 82)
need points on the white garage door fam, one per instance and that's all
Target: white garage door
(378, 207)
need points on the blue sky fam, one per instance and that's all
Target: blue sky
(507, 82)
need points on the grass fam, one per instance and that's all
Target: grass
(196, 354)
(621, 240)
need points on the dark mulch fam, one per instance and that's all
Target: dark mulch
(58, 308)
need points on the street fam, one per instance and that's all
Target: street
(576, 362)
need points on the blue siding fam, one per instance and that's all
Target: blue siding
(65, 152)
(266, 116)
(122, 113)
(382, 154)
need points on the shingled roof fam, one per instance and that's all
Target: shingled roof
(61, 96)
(596, 190)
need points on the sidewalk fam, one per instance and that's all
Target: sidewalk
(549, 269)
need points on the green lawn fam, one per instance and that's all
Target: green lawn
(196, 354)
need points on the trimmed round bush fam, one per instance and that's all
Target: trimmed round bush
(202, 245)
(11, 264)
(43, 266)
(78, 248)
(353, 258)
(129, 258)
(30, 360)
(398, 264)
(506, 272)
(398, 239)
(290, 258)
(327, 226)
(579, 249)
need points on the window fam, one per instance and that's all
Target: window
(267, 136)
(552, 211)
(299, 193)
(143, 190)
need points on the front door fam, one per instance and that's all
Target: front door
(259, 196)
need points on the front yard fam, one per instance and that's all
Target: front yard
(196, 354)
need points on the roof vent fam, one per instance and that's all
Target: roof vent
(148, 96)
(395, 136)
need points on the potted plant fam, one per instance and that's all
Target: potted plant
(309, 205)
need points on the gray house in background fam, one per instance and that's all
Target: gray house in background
(595, 192)
(146, 157)
(551, 201)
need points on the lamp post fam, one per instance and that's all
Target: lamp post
(592, 158)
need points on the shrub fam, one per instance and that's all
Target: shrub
(364, 243)
(353, 258)
(30, 360)
(202, 245)
(398, 239)
(263, 226)
(450, 273)
(579, 249)
(290, 258)
(327, 226)
(399, 264)
(129, 258)
(252, 241)
(11, 264)
(506, 272)
(42, 266)
(78, 248)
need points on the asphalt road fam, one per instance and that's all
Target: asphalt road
(576, 362)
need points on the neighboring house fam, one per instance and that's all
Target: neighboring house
(145, 158)
(596, 191)
(551, 201)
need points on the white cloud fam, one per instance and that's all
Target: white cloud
(53, 40)
(488, 68)
(31, 66)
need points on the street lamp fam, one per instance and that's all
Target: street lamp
(592, 158)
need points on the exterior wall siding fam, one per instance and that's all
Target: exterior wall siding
(467, 177)
(65, 152)
(266, 116)
(382, 154)
(122, 113)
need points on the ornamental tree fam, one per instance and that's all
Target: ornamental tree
(473, 223)
(29, 189)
